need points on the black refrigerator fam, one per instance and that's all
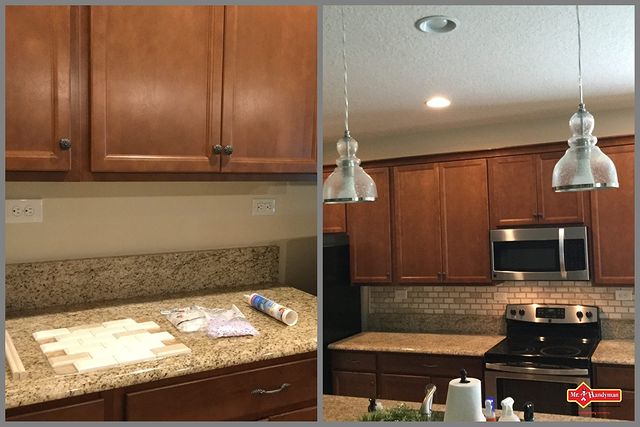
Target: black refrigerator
(341, 300)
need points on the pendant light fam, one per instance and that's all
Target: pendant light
(348, 183)
(584, 166)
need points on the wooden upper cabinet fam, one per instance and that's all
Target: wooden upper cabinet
(512, 191)
(334, 217)
(38, 91)
(270, 88)
(465, 221)
(556, 208)
(156, 88)
(521, 194)
(417, 228)
(612, 221)
(369, 225)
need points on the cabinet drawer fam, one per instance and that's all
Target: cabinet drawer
(617, 411)
(353, 361)
(85, 411)
(228, 397)
(426, 364)
(402, 387)
(358, 384)
(614, 377)
(304, 414)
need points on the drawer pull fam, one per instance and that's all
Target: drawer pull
(354, 361)
(277, 390)
(430, 366)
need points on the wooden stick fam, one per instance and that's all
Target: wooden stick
(13, 358)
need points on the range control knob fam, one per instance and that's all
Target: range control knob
(513, 312)
(589, 315)
(521, 312)
(579, 314)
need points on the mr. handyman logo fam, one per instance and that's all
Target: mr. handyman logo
(584, 395)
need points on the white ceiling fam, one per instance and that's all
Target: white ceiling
(501, 63)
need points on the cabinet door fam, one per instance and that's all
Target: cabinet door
(369, 225)
(270, 88)
(612, 221)
(417, 229)
(465, 221)
(406, 388)
(556, 208)
(358, 384)
(512, 191)
(304, 414)
(38, 108)
(93, 410)
(334, 217)
(156, 76)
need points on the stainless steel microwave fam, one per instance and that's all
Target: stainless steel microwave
(549, 253)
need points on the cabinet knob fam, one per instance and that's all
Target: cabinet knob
(65, 143)
(217, 149)
(228, 150)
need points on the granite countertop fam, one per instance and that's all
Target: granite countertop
(345, 408)
(275, 340)
(402, 342)
(615, 352)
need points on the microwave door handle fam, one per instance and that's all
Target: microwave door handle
(563, 267)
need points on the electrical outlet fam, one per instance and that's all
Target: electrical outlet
(263, 207)
(23, 210)
(400, 294)
(624, 295)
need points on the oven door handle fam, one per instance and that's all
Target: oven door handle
(563, 267)
(503, 367)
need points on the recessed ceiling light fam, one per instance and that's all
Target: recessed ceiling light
(436, 24)
(438, 102)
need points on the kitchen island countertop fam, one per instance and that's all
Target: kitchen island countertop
(275, 340)
(615, 352)
(405, 342)
(345, 408)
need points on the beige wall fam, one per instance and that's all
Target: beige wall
(496, 135)
(95, 219)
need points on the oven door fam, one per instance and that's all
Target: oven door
(546, 388)
(549, 253)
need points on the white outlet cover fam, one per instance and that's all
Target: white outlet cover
(23, 211)
(624, 295)
(400, 294)
(263, 207)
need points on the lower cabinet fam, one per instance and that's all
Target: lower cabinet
(281, 389)
(616, 377)
(398, 376)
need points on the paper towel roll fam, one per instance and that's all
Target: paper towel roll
(464, 401)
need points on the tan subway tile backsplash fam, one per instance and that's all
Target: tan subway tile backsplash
(491, 300)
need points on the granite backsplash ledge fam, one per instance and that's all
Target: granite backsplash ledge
(30, 286)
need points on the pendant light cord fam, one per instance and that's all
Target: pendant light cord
(579, 55)
(344, 61)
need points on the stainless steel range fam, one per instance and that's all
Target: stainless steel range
(547, 350)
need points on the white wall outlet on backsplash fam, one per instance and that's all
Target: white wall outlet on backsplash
(23, 210)
(400, 294)
(263, 207)
(624, 295)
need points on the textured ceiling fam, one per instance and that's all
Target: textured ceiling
(501, 63)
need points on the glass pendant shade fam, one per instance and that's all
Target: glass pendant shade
(584, 166)
(348, 183)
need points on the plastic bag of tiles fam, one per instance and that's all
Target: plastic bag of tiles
(228, 323)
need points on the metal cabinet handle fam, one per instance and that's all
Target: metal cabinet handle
(277, 390)
(228, 150)
(354, 361)
(430, 366)
(217, 149)
(65, 143)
